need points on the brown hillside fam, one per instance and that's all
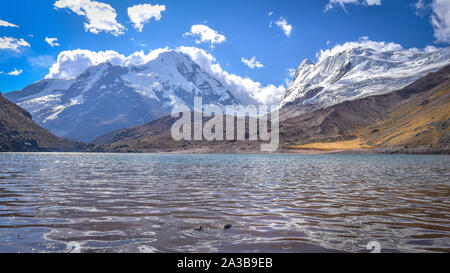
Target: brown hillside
(19, 133)
(416, 116)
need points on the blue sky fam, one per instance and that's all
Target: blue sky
(245, 25)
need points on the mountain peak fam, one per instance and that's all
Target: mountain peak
(360, 70)
(107, 97)
(306, 62)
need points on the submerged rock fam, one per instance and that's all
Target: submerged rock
(199, 228)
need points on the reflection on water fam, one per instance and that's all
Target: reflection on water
(275, 203)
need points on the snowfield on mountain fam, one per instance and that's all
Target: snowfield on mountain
(108, 97)
(360, 69)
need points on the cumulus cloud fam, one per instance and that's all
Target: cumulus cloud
(440, 19)
(206, 34)
(379, 47)
(13, 43)
(15, 72)
(99, 16)
(283, 25)
(141, 14)
(252, 63)
(245, 90)
(72, 63)
(52, 41)
(439, 11)
(7, 24)
(342, 3)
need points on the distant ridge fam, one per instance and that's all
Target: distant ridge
(413, 119)
(108, 97)
(19, 133)
(359, 71)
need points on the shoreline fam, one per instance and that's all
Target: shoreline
(303, 151)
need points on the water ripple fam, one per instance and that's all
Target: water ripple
(275, 203)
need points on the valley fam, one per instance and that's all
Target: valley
(126, 108)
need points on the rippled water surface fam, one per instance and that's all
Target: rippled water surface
(275, 203)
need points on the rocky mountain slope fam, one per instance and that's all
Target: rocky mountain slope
(19, 133)
(106, 97)
(156, 136)
(355, 72)
(415, 117)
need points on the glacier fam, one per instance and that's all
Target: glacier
(107, 97)
(359, 70)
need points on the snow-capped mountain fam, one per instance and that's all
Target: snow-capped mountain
(357, 72)
(107, 97)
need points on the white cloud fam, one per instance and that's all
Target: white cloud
(13, 43)
(373, 2)
(291, 72)
(252, 63)
(206, 34)
(141, 14)
(363, 42)
(15, 72)
(72, 63)
(342, 3)
(52, 41)
(245, 90)
(7, 24)
(100, 16)
(377, 47)
(420, 5)
(45, 61)
(283, 25)
(440, 19)
(290, 76)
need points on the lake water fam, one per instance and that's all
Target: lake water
(275, 203)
